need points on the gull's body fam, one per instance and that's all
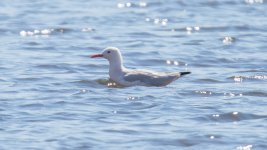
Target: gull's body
(130, 77)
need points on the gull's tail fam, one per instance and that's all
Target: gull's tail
(184, 73)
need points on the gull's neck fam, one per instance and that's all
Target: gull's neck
(116, 65)
(116, 68)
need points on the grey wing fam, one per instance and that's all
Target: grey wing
(132, 77)
(150, 78)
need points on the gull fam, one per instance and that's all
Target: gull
(134, 77)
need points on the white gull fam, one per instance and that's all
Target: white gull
(130, 77)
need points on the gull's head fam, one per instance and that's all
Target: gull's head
(110, 53)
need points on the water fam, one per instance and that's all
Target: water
(53, 96)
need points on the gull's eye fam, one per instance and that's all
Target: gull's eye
(108, 51)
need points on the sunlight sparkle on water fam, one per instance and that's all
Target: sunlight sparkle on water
(142, 4)
(228, 40)
(197, 28)
(238, 79)
(176, 63)
(131, 4)
(46, 31)
(191, 29)
(132, 98)
(235, 113)
(87, 29)
(246, 147)
(212, 137)
(110, 84)
(204, 92)
(158, 21)
(36, 32)
(254, 1)
(216, 115)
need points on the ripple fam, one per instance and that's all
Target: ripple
(33, 43)
(217, 3)
(3, 80)
(64, 116)
(52, 66)
(234, 116)
(85, 83)
(33, 105)
(256, 93)
(143, 34)
(135, 44)
(30, 79)
(143, 106)
(123, 131)
(248, 78)
(226, 28)
(150, 62)
(174, 142)
(194, 42)
(45, 48)
(254, 1)
(252, 70)
(208, 81)
(60, 103)
(187, 142)
(80, 92)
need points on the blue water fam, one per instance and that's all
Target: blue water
(53, 96)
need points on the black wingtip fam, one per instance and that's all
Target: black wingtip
(184, 73)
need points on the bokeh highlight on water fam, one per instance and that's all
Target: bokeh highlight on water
(53, 96)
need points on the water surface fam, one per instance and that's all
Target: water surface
(53, 96)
